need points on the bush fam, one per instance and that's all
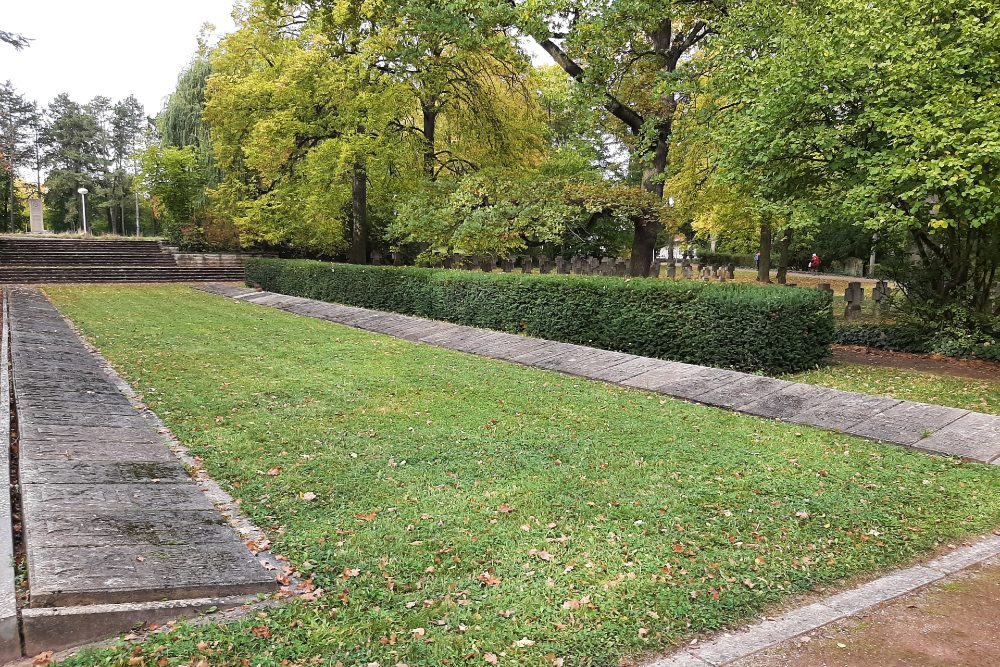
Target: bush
(950, 342)
(746, 327)
(893, 337)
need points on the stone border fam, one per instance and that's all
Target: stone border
(10, 623)
(931, 428)
(730, 647)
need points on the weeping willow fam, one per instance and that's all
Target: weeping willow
(181, 123)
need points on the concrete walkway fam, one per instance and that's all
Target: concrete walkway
(115, 531)
(932, 428)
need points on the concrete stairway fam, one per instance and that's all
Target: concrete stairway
(54, 260)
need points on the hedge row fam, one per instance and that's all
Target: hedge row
(746, 327)
(912, 338)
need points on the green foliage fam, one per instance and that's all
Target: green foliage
(921, 337)
(885, 115)
(500, 213)
(175, 183)
(747, 327)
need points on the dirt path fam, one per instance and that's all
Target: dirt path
(926, 363)
(953, 624)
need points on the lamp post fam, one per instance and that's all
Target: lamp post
(83, 207)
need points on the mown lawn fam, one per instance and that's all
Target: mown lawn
(981, 395)
(472, 512)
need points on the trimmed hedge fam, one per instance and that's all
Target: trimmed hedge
(893, 337)
(746, 327)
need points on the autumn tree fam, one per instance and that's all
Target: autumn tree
(629, 57)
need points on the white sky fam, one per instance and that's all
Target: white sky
(104, 47)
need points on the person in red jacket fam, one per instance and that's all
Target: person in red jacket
(814, 263)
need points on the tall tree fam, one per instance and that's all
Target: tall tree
(19, 119)
(75, 151)
(630, 57)
(886, 115)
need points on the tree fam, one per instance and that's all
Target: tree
(173, 179)
(629, 57)
(19, 120)
(17, 40)
(325, 115)
(886, 115)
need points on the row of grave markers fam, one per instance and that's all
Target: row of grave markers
(854, 296)
(584, 266)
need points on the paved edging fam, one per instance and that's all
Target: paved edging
(731, 647)
(932, 428)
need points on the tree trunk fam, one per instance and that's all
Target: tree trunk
(644, 240)
(786, 251)
(764, 270)
(359, 214)
(430, 129)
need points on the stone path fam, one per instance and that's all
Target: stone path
(931, 428)
(110, 515)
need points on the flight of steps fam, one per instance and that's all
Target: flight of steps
(54, 260)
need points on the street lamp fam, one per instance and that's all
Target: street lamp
(83, 207)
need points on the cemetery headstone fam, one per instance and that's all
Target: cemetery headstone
(672, 269)
(686, 269)
(397, 259)
(621, 268)
(526, 264)
(545, 265)
(732, 270)
(507, 265)
(656, 268)
(376, 258)
(562, 266)
(853, 296)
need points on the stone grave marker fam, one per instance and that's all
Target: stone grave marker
(545, 265)
(526, 264)
(621, 268)
(672, 269)
(507, 264)
(854, 296)
(562, 266)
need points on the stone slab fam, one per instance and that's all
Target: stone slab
(75, 433)
(659, 374)
(683, 659)
(746, 389)
(54, 629)
(964, 557)
(693, 384)
(75, 471)
(95, 499)
(974, 436)
(766, 634)
(843, 410)
(620, 373)
(907, 423)
(788, 402)
(85, 405)
(75, 418)
(152, 528)
(142, 573)
(882, 590)
(63, 449)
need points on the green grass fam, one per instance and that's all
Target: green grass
(980, 395)
(483, 503)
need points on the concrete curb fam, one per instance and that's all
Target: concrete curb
(733, 646)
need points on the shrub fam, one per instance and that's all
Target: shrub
(746, 327)
(908, 337)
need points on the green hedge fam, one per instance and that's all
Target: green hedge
(747, 327)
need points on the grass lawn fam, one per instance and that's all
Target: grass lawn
(980, 395)
(473, 512)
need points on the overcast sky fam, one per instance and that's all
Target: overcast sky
(104, 47)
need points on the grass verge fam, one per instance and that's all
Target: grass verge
(462, 511)
(981, 395)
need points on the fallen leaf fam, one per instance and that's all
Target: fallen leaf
(523, 642)
(308, 496)
(490, 658)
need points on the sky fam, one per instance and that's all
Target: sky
(115, 48)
